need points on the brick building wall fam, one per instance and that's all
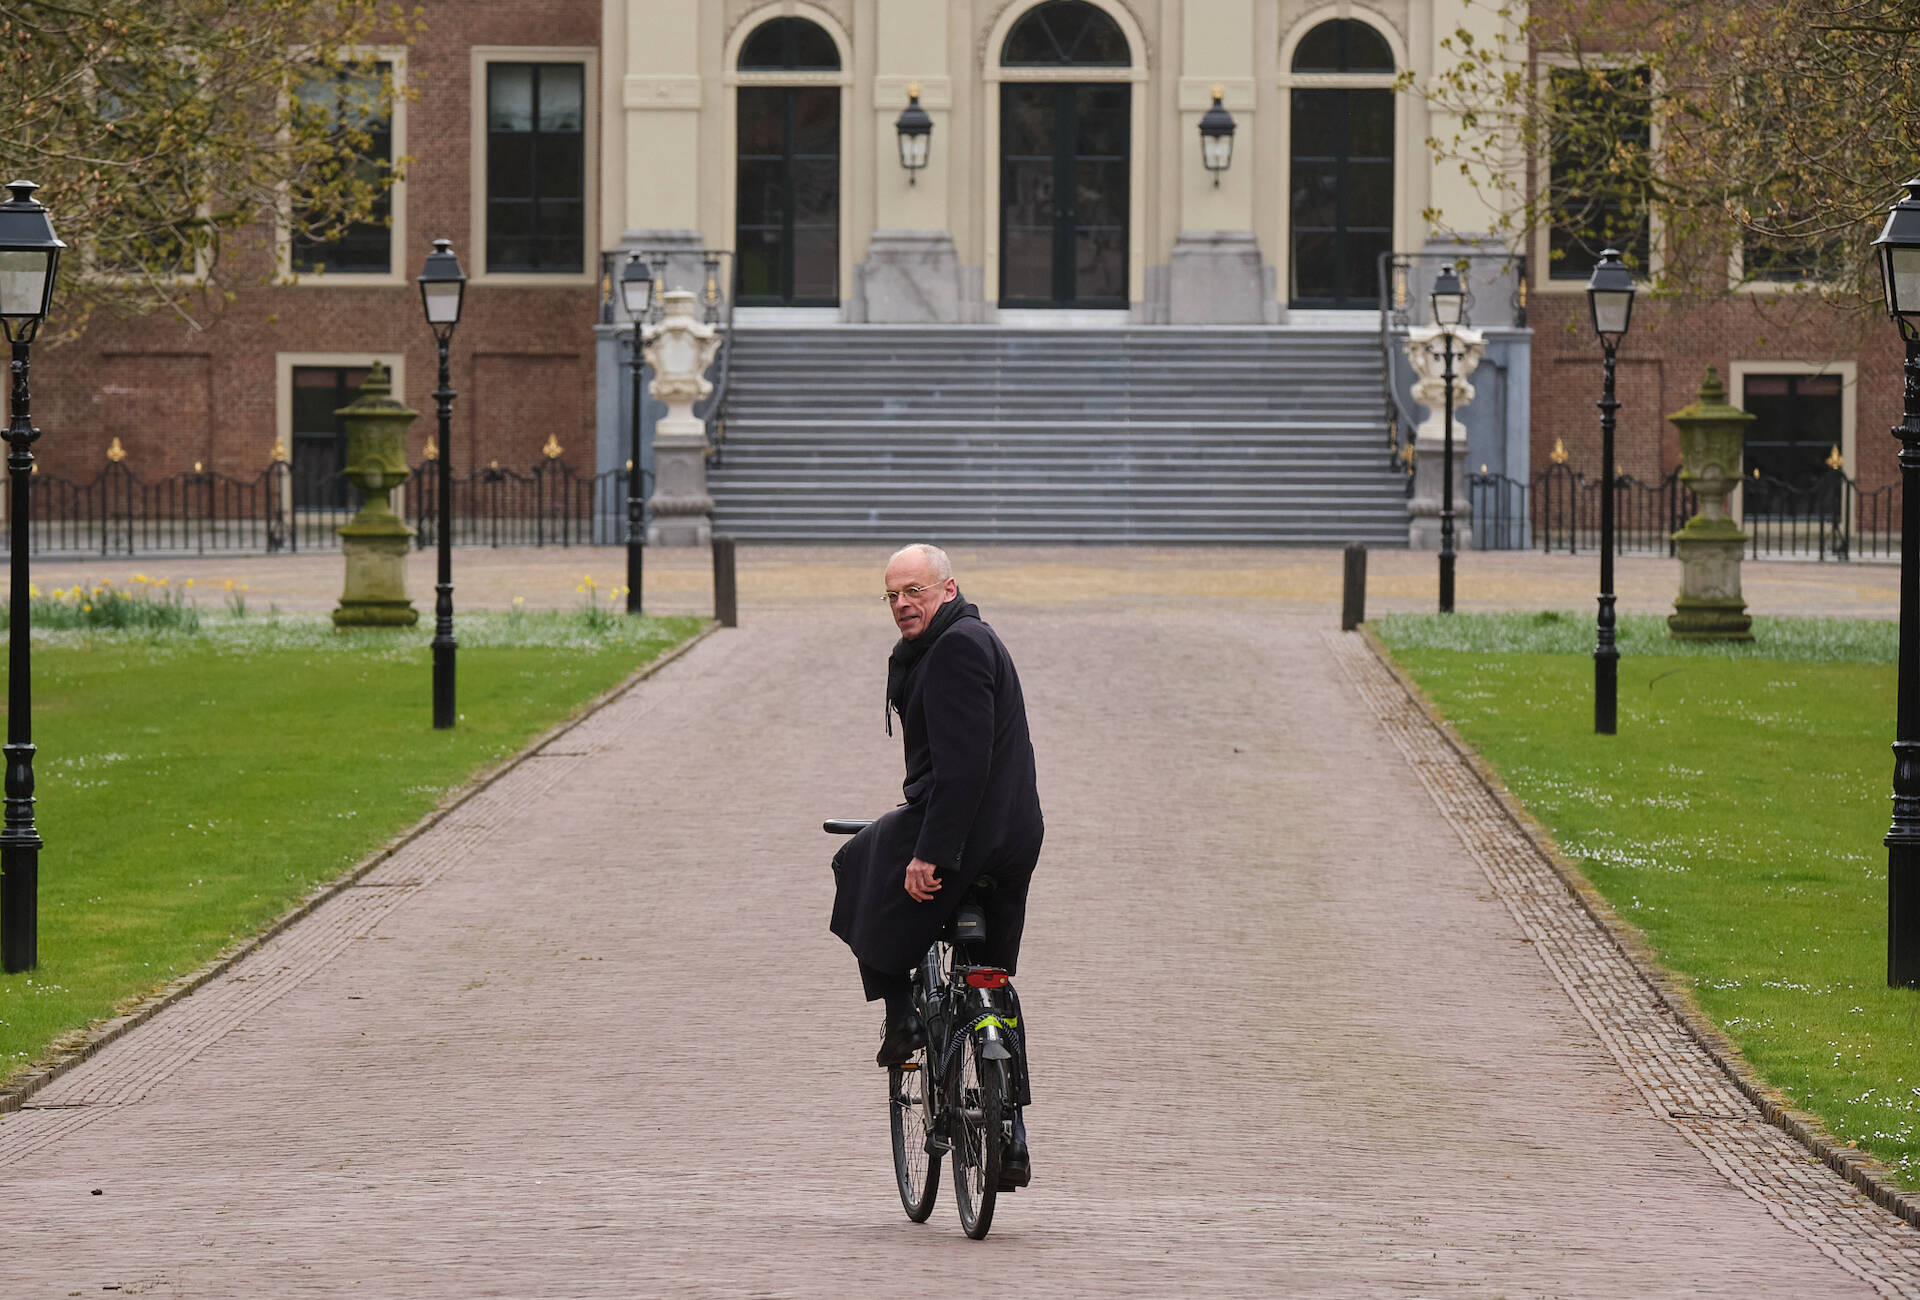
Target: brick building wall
(1665, 356)
(176, 393)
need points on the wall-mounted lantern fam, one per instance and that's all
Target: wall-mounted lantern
(916, 133)
(1216, 136)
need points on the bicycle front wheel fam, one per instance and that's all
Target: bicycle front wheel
(915, 1171)
(979, 1103)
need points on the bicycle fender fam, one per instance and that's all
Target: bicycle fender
(995, 1050)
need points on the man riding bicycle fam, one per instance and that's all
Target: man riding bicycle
(972, 809)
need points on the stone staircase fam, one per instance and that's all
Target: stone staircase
(985, 434)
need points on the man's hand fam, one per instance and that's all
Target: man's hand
(920, 882)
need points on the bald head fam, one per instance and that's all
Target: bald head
(932, 558)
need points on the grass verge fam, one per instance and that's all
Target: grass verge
(1736, 819)
(194, 784)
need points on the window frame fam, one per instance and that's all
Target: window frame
(474, 256)
(1286, 82)
(397, 272)
(1540, 244)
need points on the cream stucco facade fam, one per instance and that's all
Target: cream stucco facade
(929, 247)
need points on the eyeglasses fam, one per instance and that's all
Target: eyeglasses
(910, 593)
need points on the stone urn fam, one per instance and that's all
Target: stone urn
(1426, 351)
(680, 348)
(376, 540)
(1713, 438)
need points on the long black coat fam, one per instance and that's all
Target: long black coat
(972, 808)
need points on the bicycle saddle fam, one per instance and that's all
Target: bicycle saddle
(845, 825)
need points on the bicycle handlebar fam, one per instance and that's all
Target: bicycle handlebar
(845, 825)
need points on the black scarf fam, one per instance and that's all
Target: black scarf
(908, 653)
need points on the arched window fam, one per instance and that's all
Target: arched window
(1064, 34)
(1343, 45)
(1342, 166)
(789, 45)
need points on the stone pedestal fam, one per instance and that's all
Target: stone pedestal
(680, 348)
(1214, 277)
(1710, 545)
(911, 277)
(375, 541)
(1427, 354)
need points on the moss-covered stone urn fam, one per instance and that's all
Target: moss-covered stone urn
(376, 540)
(1713, 439)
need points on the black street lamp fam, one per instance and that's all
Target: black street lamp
(636, 295)
(1899, 246)
(443, 290)
(29, 258)
(1610, 299)
(915, 130)
(1449, 309)
(1216, 136)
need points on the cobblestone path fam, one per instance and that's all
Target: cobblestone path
(589, 1037)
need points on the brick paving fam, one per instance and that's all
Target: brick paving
(1305, 1023)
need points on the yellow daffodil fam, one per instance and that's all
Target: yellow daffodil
(33, 590)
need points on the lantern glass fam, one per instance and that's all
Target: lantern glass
(1449, 300)
(636, 289)
(1612, 309)
(442, 299)
(26, 282)
(1900, 269)
(913, 149)
(1216, 151)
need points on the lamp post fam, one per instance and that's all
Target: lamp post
(443, 290)
(915, 130)
(636, 295)
(1449, 307)
(29, 258)
(1216, 136)
(1899, 248)
(1610, 299)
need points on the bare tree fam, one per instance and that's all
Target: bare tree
(162, 132)
(1739, 141)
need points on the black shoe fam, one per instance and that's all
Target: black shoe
(1016, 1169)
(902, 1039)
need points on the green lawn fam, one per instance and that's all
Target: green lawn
(1736, 819)
(193, 784)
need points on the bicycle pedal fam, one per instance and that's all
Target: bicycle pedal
(936, 1146)
(909, 1067)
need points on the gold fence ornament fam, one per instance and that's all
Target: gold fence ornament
(115, 452)
(552, 450)
(1835, 460)
(278, 456)
(1559, 453)
(432, 451)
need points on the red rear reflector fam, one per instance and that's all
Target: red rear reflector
(987, 977)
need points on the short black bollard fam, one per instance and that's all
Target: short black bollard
(726, 601)
(1353, 602)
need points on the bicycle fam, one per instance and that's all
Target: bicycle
(960, 1094)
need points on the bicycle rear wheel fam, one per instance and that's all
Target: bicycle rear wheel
(978, 1106)
(915, 1171)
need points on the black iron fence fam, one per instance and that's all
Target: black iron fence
(1827, 517)
(200, 512)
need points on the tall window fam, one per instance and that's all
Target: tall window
(787, 168)
(536, 167)
(147, 233)
(354, 104)
(1602, 140)
(1341, 166)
